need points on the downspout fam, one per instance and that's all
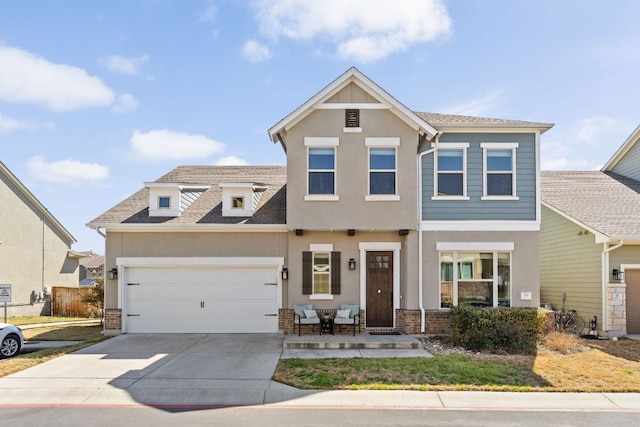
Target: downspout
(605, 280)
(420, 267)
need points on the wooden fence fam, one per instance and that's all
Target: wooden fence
(67, 302)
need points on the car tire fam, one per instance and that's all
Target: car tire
(10, 346)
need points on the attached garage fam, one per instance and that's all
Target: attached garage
(196, 295)
(632, 278)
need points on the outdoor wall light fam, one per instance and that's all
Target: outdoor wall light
(112, 274)
(352, 264)
(618, 274)
(285, 273)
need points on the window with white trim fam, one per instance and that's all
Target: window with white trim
(451, 171)
(164, 202)
(321, 273)
(499, 170)
(479, 279)
(322, 170)
(382, 170)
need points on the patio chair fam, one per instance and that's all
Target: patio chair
(349, 315)
(305, 315)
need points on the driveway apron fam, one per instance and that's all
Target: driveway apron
(155, 369)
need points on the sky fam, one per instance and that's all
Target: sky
(98, 97)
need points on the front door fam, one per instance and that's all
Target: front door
(632, 278)
(379, 289)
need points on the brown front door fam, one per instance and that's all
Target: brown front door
(379, 289)
(632, 278)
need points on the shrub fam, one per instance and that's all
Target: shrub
(501, 329)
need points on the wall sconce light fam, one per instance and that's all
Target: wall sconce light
(352, 264)
(618, 274)
(112, 274)
(285, 273)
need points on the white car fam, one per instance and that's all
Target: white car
(11, 340)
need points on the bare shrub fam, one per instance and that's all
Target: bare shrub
(563, 343)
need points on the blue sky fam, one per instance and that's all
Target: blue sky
(97, 97)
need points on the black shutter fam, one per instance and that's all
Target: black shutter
(335, 273)
(307, 273)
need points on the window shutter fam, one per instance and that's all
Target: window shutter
(335, 273)
(307, 273)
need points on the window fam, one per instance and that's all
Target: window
(322, 164)
(164, 202)
(479, 279)
(382, 170)
(237, 202)
(321, 273)
(499, 170)
(352, 118)
(450, 170)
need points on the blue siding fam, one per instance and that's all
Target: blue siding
(523, 209)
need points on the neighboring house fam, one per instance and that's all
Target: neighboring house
(590, 241)
(402, 213)
(35, 249)
(91, 268)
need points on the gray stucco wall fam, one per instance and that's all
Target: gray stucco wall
(524, 263)
(523, 209)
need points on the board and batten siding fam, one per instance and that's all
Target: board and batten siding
(570, 262)
(628, 165)
(523, 209)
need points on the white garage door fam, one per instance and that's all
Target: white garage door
(201, 299)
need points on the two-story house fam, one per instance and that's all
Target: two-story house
(401, 213)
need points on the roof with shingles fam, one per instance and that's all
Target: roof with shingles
(438, 120)
(207, 209)
(603, 201)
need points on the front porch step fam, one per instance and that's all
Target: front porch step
(360, 341)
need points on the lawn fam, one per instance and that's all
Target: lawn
(597, 366)
(30, 320)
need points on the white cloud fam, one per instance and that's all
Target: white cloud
(125, 65)
(592, 129)
(231, 161)
(255, 52)
(8, 124)
(70, 172)
(126, 103)
(478, 106)
(164, 144)
(209, 14)
(361, 30)
(27, 78)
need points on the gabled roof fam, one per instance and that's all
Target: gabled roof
(39, 206)
(352, 75)
(206, 209)
(444, 121)
(605, 203)
(92, 261)
(628, 144)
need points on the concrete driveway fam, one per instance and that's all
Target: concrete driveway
(157, 369)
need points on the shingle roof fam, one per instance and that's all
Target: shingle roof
(207, 209)
(92, 261)
(604, 201)
(436, 120)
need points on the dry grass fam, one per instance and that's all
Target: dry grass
(562, 364)
(78, 332)
(563, 343)
(31, 320)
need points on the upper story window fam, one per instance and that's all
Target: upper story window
(164, 202)
(237, 202)
(499, 170)
(382, 170)
(322, 170)
(451, 171)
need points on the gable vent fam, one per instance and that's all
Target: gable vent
(352, 118)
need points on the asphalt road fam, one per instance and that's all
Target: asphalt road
(267, 416)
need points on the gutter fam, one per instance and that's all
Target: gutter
(605, 280)
(420, 243)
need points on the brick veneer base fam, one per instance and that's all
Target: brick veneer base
(112, 319)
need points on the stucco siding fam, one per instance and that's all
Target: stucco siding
(121, 245)
(352, 174)
(628, 165)
(570, 263)
(627, 254)
(33, 252)
(524, 263)
(523, 209)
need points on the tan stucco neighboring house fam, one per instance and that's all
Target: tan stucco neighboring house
(401, 213)
(91, 268)
(590, 241)
(35, 249)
